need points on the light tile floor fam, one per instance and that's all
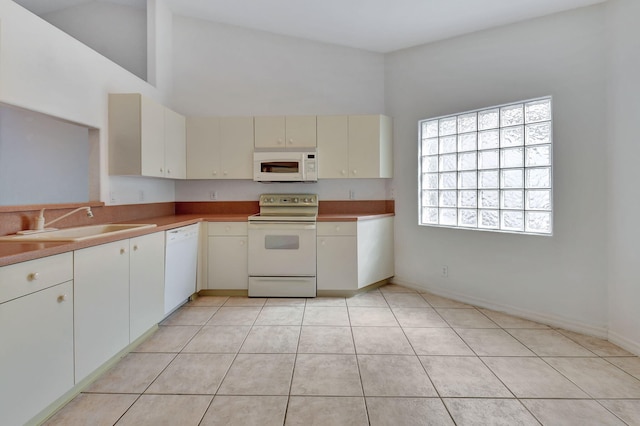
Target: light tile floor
(391, 356)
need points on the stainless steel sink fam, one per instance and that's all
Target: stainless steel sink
(79, 233)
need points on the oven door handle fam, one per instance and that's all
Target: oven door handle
(273, 226)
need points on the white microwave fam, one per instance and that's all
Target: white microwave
(285, 166)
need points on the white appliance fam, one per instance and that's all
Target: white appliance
(181, 261)
(282, 246)
(285, 166)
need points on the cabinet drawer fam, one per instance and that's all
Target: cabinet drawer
(227, 228)
(337, 228)
(34, 275)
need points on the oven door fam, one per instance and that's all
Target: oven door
(281, 249)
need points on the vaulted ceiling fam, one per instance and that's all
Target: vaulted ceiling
(375, 25)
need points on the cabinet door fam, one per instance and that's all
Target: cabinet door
(269, 132)
(337, 263)
(236, 147)
(36, 352)
(370, 151)
(146, 283)
(333, 153)
(301, 131)
(375, 250)
(203, 147)
(227, 263)
(101, 308)
(175, 148)
(152, 137)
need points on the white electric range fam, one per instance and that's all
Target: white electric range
(282, 246)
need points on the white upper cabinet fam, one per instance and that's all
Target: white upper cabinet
(145, 138)
(290, 132)
(333, 146)
(219, 147)
(355, 146)
(203, 147)
(149, 129)
(175, 145)
(370, 146)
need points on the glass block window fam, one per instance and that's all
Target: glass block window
(489, 169)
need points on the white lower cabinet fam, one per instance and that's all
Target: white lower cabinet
(101, 308)
(227, 256)
(337, 253)
(119, 295)
(64, 316)
(146, 283)
(36, 343)
(352, 255)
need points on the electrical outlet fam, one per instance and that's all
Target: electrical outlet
(352, 194)
(392, 193)
(141, 195)
(112, 197)
(213, 195)
(444, 271)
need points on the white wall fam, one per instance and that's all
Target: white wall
(160, 48)
(226, 70)
(624, 173)
(46, 70)
(45, 147)
(559, 279)
(116, 31)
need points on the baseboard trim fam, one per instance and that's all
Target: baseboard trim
(351, 293)
(319, 293)
(555, 321)
(233, 293)
(624, 343)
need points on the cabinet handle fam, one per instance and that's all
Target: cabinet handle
(135, 248)
(241, 242)
(168, 171)
(123, 251)
(215, 172)
(225, 173)
(322, 242)
(355, 172)
(63, 298)
(337, 228)
(344, 172)
(291, 141)
(161, 170)
(33, 276)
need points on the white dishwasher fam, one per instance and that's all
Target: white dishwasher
(181, 262)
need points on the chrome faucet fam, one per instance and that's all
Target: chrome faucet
(41, 226)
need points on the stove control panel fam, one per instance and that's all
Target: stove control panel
(286, 200)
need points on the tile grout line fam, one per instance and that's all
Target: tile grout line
(295, 360)
(589, 396)
(439, 396)
(235, 356)
(355, 350)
